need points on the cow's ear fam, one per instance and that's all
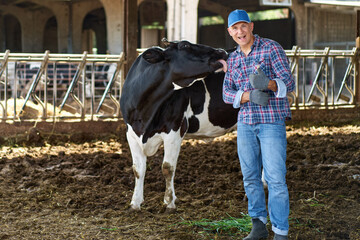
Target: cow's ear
(153, 55)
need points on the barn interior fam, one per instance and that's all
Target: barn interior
(67, 173)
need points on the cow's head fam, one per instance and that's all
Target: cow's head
(158, 72)
(184, 62)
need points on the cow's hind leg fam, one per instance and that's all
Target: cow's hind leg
(139, 169)
(172, 144)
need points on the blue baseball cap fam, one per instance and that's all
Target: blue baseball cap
(238, 16)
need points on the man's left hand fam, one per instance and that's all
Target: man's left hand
(260, 80)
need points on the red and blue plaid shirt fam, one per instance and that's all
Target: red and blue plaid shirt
(271, 58)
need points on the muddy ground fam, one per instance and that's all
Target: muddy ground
(75, 188)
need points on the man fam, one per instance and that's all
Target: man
(257, 81)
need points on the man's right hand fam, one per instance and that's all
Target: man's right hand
(259, 80)
(259, 97)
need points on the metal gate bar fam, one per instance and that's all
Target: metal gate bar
(89, 92)
(34, 84)
(3, 69)
(110, 85)
(323, 67)
(350, 67)
(70, 91)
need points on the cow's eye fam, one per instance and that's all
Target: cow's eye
(184, 45)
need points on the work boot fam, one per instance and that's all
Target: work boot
(280, 237)
(258, 230)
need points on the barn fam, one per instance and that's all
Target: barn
(66, 168)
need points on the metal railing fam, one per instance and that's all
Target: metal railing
(60, 86)
(79, 86)
(324, 78)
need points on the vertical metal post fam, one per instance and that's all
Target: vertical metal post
(297, 83)
(15, 87)
(93, 69)
(304, 81)
(54, 91)
(6, 92)
(332, 81)
(4, 69)
(326, 83)
(83, 97)
(357, 64)
(45, 92)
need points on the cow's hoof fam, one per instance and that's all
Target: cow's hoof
(170, 210)
(134, 209)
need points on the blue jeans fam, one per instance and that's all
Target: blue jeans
(264, 146)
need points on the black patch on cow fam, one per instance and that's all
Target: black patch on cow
(169, 116)
(197, 97)
(194, 124)
(138, 127)
(142, 95)
(220, 114)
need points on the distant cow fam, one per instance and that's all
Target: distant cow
(169, 93)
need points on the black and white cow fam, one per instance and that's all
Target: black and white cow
(169, 93)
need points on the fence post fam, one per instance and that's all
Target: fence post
(357, 75)
(357, 64)
(130, 33)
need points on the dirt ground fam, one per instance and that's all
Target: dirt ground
(72, 188)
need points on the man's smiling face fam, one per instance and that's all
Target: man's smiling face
(242, 34)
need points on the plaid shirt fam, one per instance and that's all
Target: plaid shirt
(271, 58)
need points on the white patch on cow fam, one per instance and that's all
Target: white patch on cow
(140, 151)
(150, 147)
(177, 87)
(206, 128)
(172, 145)
(139, 167)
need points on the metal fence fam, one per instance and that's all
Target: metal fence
(60, 86)
(78, 86)
(324, 78)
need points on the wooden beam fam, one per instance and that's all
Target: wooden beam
(131, 28)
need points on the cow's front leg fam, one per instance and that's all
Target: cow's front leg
(139, 169)
(172, 144)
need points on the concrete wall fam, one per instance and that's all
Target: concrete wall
(69, 18)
